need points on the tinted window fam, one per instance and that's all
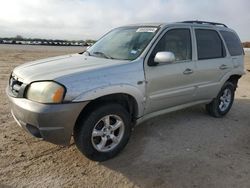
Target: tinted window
(177, 41)
(209, 44)
(233, 43)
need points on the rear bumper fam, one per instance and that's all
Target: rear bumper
(51, 122)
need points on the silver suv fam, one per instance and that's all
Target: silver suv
(131, 74)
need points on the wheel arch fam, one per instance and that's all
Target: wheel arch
(234, 79)
(125, 100)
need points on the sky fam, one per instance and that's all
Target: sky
(90, 19)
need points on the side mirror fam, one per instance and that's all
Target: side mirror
(164, 57)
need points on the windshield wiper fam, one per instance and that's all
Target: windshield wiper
(103, 54)
(87, 52)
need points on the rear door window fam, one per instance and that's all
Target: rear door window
(233, 43)
(209, 44)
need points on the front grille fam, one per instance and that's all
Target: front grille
(15, 85)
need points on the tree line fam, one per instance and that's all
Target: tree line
(246, 44)
(38, 41)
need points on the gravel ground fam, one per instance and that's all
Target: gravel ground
(186, 148)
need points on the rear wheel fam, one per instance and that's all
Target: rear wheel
(221, 105)
(104, 132)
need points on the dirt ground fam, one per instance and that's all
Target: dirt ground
(187, 148)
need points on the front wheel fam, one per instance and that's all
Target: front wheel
(104, 132)
(221, 105)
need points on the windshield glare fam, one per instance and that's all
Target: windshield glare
(123, 43)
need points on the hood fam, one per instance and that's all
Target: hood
(56, 67)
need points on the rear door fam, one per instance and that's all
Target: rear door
(213, 62)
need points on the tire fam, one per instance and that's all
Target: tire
(95, 134)
(222, 104)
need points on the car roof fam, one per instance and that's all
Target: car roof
(145, 25)
(196, 23)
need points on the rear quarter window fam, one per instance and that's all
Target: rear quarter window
(209, 44)
(233, 43)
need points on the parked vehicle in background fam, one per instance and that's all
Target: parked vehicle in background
(131, 74)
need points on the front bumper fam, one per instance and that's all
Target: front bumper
(51, 122)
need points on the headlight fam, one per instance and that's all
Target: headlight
(45, 92)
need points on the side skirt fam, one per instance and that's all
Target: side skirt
(168, 110)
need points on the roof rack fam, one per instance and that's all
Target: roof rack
(204, 22)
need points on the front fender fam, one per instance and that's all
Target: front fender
(137, 93)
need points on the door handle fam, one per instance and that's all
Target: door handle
(223, 67)
(188, 71)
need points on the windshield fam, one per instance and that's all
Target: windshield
(123, 43)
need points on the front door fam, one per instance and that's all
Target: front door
(171, 84)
